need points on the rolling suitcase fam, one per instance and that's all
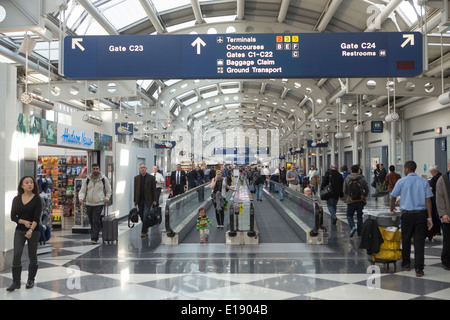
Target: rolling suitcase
(110, 228)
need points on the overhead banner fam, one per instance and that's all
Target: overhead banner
(231, 56)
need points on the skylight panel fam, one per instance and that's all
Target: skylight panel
(125, 13)
(164, 5)
(200, 114)
(145, 84)
(74, 13)
(181, 26)
(41, 48)
(91, 27)
(409, 11)
(220, 19)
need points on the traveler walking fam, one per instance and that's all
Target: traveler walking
(283, 176)
(443, 207)
(96, 190)
(434, 170)
(314, 183)
(392, 178)
(376, 175)
(26, 212)
(312, 171)
(415, 205)
(334, 178)
(293, 178)
(344, 171)
(218, 184)
(192, 177)
(178, 181)
(159, 179)
(355, 190)
(202, 225)
(258, 182)
(266, 173)
(382, 174)
(144, 195)
(206, 171)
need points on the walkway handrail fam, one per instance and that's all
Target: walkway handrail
(200, 190)
(311, 204)
(252, 232)
(234, 214)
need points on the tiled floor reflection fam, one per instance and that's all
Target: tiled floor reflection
(138, 268)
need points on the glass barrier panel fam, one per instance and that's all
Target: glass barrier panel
(300, 204)
(182, 205)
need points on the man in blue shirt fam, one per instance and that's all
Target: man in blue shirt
(415, 204)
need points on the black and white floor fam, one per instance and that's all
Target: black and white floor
(138, 268)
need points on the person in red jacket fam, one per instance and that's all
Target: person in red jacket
(392, 178)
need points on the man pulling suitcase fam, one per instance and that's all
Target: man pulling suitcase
(96, 190)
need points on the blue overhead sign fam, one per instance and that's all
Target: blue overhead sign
(222, 56)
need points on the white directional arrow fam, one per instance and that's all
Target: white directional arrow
(409, 38)
(199, 43)
(76, 42)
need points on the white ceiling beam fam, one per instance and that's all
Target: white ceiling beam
(98, 16)
(240, 9)
(197, 12)
(151, 13)
(321, 82)
(283, 10)
(284, 92)
(263, 88)
(327, 14)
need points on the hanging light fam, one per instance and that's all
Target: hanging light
(92, 119)
(391, 117)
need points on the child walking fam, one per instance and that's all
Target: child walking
(202, 225)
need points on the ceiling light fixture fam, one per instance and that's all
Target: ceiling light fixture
(92, 119)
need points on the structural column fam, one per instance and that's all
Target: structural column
(9, 159)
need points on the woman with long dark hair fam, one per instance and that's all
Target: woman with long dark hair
(26, 212)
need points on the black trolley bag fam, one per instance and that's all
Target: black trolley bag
(110, 228)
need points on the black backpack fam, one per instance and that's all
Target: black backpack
(355, 191)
